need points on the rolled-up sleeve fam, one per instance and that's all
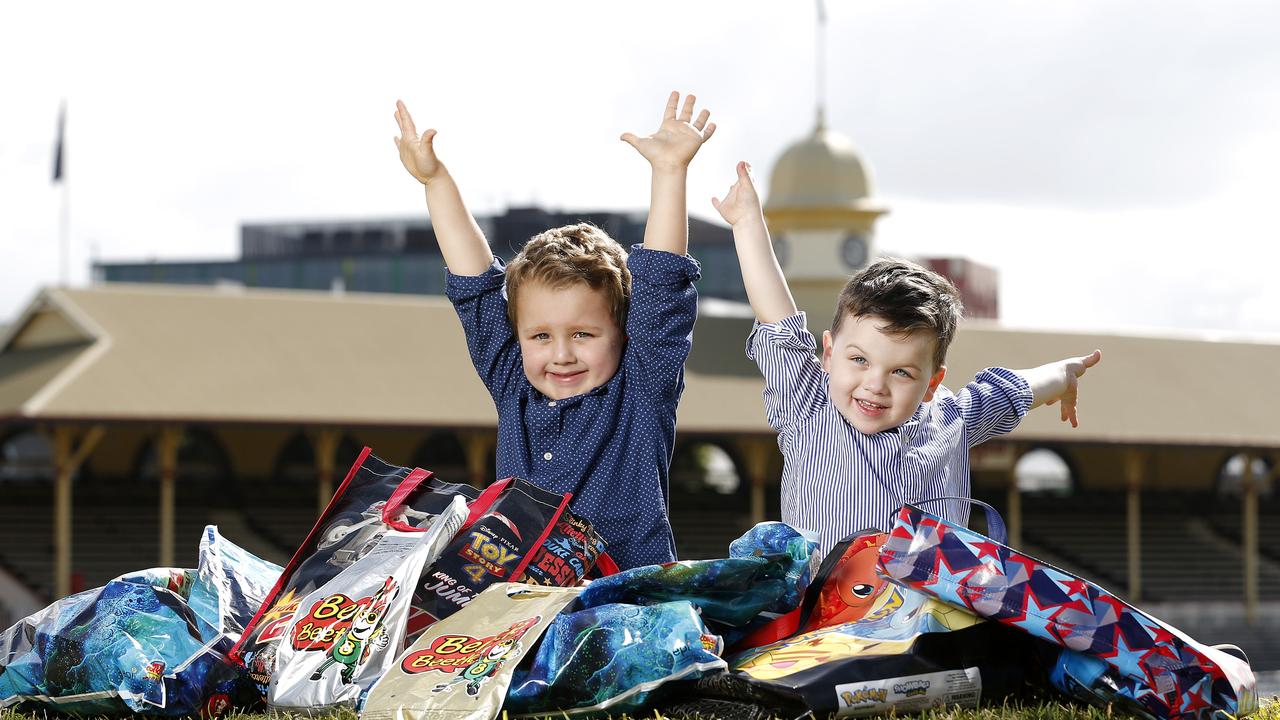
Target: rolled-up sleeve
(482, 308)
(993, 404)
(794, 382)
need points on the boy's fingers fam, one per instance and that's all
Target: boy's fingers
(630, 139)
(702, 118)
(708, 132)
(672, 100)
(686, 113)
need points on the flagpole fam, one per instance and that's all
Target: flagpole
(64, 231)
(64, 218)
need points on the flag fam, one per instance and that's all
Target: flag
(57, 148)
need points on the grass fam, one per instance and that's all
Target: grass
(1042, 711)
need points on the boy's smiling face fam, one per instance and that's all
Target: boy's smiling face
(878, 379)
(568, 337)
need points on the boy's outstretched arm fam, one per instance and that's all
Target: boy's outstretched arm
(767, 288)
(1060, 381)
(465, 250)
(669, 151)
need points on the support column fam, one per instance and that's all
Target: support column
(755, 455)
(1013, 501)
(1133, 468)
(479, 446)
(67, 458)
(325, 445)
(167, 444)
(1249, 515)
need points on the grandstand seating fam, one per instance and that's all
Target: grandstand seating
(1191, 557)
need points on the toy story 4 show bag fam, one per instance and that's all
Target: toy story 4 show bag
(1110, 650)
(150, 642)
(517, 532)
(461, 667)
(860, 646)
(348, 632)
(352, 523)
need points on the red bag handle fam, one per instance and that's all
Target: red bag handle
(396, 502)
(777, 629)
(481, 505)
(546, 531)
(606, 565)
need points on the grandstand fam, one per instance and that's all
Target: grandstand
(154, 410)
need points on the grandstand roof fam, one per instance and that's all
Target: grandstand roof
(154, 353)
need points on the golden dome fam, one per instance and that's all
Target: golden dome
(822, 171)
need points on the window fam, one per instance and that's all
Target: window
(1044, 471)
(26, 456)
(1231, 476)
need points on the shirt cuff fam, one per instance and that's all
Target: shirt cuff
(1012, 385)
(789, 332)
(659, 267)
(466, 287)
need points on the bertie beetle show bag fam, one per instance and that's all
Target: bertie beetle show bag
(350, 526)
(348, 632)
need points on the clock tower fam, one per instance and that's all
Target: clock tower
(821, 215)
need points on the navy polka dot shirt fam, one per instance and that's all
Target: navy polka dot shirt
(611, 447)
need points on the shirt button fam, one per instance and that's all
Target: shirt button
(546, 456)
(551, 404)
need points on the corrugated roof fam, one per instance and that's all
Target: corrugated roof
(197, 354)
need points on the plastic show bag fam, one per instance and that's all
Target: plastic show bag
(348, 528)
(614, 659)
(517, 532)
(152, 642)
(1158, 670)
(461, 666)
(768, 570)
(348, 632)
(842, 589)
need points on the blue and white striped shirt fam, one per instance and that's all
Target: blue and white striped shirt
(836, 480)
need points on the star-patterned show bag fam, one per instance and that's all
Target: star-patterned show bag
(1112, 651)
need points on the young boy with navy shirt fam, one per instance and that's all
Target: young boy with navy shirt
(581, 346)
(870, 427)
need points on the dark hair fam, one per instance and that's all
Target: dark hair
(562, 256)
(909, 297)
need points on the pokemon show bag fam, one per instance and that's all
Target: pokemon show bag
(348, 632)
(359, 513)
(460, 668)
(1113, 651)
(867, 647)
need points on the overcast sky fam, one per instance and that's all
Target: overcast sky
(1117, 160)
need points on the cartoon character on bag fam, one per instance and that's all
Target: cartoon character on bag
(366, 632)
(477, 672)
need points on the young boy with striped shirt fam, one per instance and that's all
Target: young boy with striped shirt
(870, 427)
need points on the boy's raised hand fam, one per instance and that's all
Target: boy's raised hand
(741, 202)
(417, 154)
(678, 137)
(1067, 384)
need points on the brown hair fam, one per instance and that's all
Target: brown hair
(909, 297)
(581, 253)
